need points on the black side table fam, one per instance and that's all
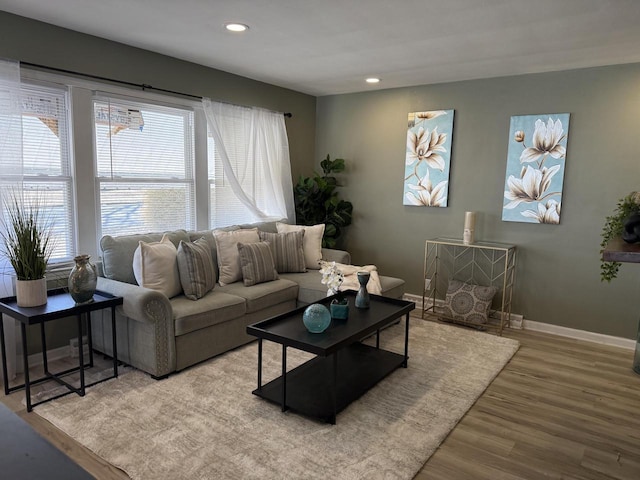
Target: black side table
(59, 305)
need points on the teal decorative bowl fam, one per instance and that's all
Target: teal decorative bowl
(316, 318)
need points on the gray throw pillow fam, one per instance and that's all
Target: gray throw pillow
(287, 249)
(256, 261)
(195, 266)
(467, 303)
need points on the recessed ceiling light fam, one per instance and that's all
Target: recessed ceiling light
(372, 80)
(236, 27)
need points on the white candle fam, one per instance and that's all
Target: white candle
(469, 227)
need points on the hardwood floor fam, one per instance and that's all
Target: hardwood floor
(561, 409)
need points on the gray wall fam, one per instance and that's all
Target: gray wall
(558, 278)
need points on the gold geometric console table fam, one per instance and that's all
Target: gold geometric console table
(620, 251)
(481, 263)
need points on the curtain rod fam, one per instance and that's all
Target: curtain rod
(142, 86)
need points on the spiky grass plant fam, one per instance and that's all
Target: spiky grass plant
(26, 235)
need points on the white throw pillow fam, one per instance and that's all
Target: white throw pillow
(311, 243)
(227, 250)
(155, 266)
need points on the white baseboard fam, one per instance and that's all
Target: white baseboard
(36, 358)
(519, 322)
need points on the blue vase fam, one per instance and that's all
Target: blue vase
(362, 297)
(339, 309)
(316, 318)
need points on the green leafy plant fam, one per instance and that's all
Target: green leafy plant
(613, 227)
(26, 235)
(317, 201)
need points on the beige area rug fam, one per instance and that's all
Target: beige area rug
(204, 423)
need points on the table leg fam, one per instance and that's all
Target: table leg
(43, 340)
(25, 360)
(259, 363)
(4, 357)
(114, 339)
(378, 339)
(335, 389)
(284, 378)
(406, 342)
(89, 340)
(80, 355)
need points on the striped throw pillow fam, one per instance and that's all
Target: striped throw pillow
(195, 266)
(256, 261)
(287, 249)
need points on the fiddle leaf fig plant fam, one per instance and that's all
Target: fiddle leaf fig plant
(317, 201)
(613, 227)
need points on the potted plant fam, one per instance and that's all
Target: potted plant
(316, 201)
(333, 277)
(614, 227)
(27, 243)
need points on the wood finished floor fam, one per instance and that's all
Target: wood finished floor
(561, 409)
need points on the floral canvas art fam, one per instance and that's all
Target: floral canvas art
(428, 158)
(535, 168)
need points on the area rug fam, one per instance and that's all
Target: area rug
(204, 423)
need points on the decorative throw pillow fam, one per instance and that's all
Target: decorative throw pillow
(195, 267)
(256, 261)
(312, 242)
(227, 252)
(287, 249)
(468, 303)
(155, 266)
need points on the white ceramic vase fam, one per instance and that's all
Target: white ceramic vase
(31, 293)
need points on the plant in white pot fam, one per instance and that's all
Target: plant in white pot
(27, 243)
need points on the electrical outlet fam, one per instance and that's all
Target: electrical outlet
(427, 284)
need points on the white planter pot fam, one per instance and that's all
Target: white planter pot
(31, 293)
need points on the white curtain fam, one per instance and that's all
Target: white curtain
(252, 145)
(11, 170)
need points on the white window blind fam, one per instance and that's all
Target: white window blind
(144, 164)
(47, 177)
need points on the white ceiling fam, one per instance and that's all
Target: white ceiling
(323, 47)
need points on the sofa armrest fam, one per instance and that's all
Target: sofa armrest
(338, 256)
(139, 303)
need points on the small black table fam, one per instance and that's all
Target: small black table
(318, 388)
(59, 305)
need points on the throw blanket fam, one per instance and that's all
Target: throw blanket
(350, 282)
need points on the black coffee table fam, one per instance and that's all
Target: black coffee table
(343, 369)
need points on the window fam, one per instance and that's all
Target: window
(46, 162)
(144, 165)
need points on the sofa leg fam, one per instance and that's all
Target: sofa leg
(161, 377)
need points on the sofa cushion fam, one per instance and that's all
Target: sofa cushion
(117, 252)
(287, 249)
(215, 307)
(195, 267)
(263, 295)
(256, 261)
(312, 242)
(155, 266)
(228, 256)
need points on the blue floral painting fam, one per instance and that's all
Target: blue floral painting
(428, 158)
(535, 168)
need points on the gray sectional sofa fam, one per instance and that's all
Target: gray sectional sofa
(160, 335)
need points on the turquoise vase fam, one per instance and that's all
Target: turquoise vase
(339, 309)
(316, 318)
(362, 297)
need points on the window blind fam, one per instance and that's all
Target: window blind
(144, 165)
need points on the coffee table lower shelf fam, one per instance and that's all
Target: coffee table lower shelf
(310, 386)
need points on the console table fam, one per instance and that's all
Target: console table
(481, 263)
(620, 251)
(59, 305)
